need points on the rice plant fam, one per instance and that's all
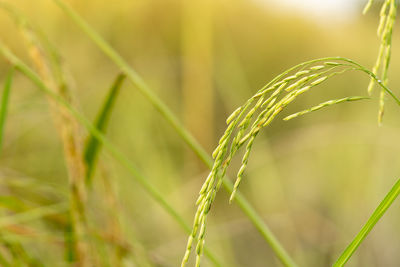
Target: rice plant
(84, 241)
(259, 111)
(385, 29)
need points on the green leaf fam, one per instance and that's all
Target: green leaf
(4, 104)
(93, 145)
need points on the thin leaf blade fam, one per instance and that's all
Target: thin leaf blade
(93, 146)
(4, 104)
(375, 217)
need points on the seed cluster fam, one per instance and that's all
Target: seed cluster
(245, 123)
(385, 29)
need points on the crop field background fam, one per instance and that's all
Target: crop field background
(314, 180)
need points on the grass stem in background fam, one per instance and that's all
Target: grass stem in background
(4, 104)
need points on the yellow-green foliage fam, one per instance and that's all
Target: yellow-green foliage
(187, 65)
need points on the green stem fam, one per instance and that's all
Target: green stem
(4, 104)
(267, 234)
(115, 152)
(378, 213)
(179, 128)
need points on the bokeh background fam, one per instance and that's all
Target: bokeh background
(314, 180)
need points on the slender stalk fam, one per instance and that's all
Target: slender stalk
(4, 104)
(266, 233)
(173, 120)
(114, 151)
(378, 213)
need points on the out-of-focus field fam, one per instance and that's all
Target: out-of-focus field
(314, 180)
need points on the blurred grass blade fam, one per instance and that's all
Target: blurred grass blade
(3, 261)
(12, 203)
(19, 254)
(4, 104)
(173, 120)
(367, 6)
(32, 214)
(93, 146)
(323, 105)
(69, 241)
(375, 217)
